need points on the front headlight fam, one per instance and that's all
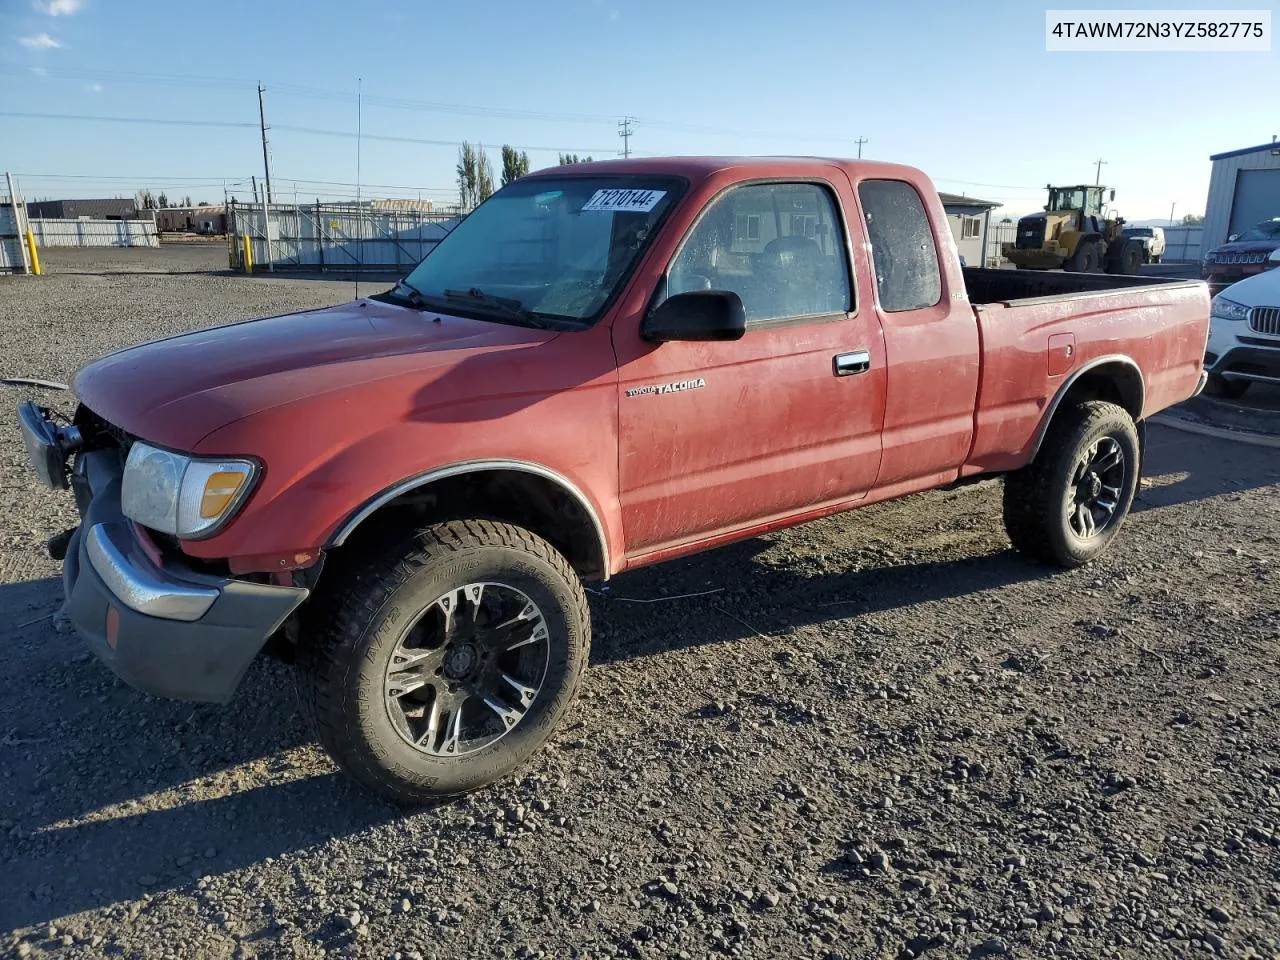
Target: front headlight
(1226, 309)
(189, 497)
(1210, 258)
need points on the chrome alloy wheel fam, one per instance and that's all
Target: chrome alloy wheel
(1094, 492)
(467, 671)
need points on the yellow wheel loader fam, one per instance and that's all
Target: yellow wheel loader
(1074, 233)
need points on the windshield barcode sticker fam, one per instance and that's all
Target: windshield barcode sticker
(624, 201)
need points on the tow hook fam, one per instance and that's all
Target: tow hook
(56, 546)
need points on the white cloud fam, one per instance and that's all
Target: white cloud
(39, 71)
(94, 88)
(60, 8)
(41, 41)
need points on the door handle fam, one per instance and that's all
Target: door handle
(847, 364)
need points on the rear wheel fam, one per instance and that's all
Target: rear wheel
(446, 662)
(1066, 506)
(1219, 386)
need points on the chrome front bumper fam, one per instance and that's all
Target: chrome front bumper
(160, 625)
(137, 582)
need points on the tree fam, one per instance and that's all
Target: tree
(205, 203)
(484, 176)
(162, 201)
(467, 181)
(515, 164)
(186, 201)
(568, 158)
(145, 200)
(1192, 220)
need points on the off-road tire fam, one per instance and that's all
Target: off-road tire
(342, 662)
(1126, 258)
(1219, 386)
(1086, 259)
(1036, 497)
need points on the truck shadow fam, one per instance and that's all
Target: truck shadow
(755, 598)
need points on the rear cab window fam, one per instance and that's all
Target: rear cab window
(903, 252)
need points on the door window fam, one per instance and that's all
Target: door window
(778, 246)
(906, 261)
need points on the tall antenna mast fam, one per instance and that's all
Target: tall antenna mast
(625, 131)
(359, 209)
(266, 149)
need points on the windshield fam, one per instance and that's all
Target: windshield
(1267, 230)
(1067, 198)
(550, 247)
(1139, 232)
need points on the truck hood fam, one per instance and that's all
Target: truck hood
(178, 390)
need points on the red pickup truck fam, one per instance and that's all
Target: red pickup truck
(603, 366)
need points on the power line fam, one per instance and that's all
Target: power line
(436, 143)
(317, 131)
(236, 124)
(401, 103)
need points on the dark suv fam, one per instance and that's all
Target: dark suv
(1243, 255)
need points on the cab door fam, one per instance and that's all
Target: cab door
(720, 436)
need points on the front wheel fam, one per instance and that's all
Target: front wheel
(1067, 505)
(446, 663)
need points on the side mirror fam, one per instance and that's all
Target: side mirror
(696, 315)
(1113, 196)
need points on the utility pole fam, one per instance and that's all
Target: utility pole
(625, 131)
(1097, 177)
(254, 180)
(266, 150)
(860, 141)
(1171, 208)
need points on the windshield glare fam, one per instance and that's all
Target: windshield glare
(561, 246)
(1263, 231)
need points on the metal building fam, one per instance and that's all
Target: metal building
(1244, 189)
(108, 209)
(969, 219)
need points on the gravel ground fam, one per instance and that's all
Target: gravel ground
(885, 735)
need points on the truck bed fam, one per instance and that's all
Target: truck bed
(1040, 329)
(986, 285)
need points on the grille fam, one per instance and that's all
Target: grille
(1265, 320)
(1030, 235)
(1240, 257)
(98, 433)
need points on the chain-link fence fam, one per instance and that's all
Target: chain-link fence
(323, 237)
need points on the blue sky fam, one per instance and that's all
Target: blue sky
(966, 91)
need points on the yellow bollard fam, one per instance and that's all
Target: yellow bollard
(248, 253)
(35, 257)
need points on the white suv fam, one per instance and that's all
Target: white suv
(1244, 335)
(1152, 242)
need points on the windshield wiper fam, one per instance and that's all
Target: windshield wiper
(507, 306)
(404, 290)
